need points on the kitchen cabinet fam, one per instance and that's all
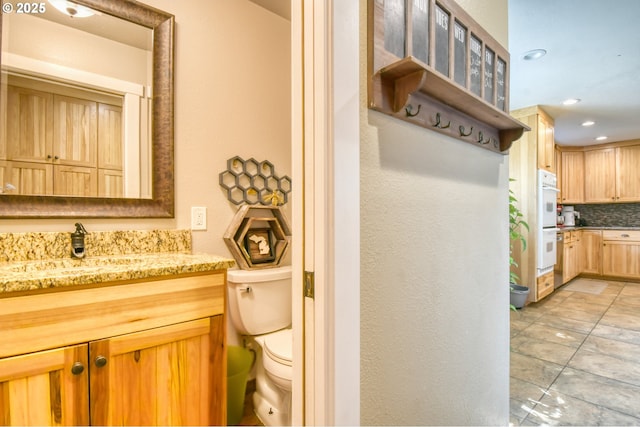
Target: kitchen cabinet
(146, 353)
(544, 285)
(621, 253)
(628, 173)
(546, 143)
(612, 174)
(591, 248)
(572, 182)
(571, 255)
(600, 181)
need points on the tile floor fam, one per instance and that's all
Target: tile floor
(575, 357)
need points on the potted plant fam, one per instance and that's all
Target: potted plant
(516, 224)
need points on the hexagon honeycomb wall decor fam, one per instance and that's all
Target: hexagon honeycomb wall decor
(258, 237)
(253, 182)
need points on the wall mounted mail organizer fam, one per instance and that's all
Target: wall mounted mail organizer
(431, 64)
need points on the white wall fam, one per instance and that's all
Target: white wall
(232, 97)
(434, 269)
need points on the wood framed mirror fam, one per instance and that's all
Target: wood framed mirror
(159, 199)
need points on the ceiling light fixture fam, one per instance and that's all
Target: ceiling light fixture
(601, 138)
(570, 101)
(72, 9)
(534, 54)
(588, 123)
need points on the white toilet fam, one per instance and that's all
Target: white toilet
(260, 309)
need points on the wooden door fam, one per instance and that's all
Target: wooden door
(546, 144)
(75, 181)
(75, 131)
(163, 376)
(600, 179)
(572, 177)
(591, 246)
(110, 183)
(29, 124)
(110, 144)
(620, 258)
(30, 179)
(628, 174)
(45, 388)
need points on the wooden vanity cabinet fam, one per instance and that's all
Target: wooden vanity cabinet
(154, 354)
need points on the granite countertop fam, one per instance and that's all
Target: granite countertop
(591, 227)
(53, 273)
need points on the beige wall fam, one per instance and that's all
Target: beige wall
(232, 97)
(434, 268)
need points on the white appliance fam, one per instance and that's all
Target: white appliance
(570, 216)
(547, 217)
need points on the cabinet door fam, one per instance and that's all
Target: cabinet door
(31, 179)
(75, 181)
(75, 131)
(546, 145)
(628, 174)
(620, 258)
(29, 120)
(591, 245)
(110, 145)
(45, 388)
(572, 177)
(162, 376)
(600, 176)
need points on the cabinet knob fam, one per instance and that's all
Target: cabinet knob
(77, 368)
(100, 361)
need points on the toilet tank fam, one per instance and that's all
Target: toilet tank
(260, 300)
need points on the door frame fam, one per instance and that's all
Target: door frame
(326, 223)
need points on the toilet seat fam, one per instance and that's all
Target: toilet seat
(279, 346)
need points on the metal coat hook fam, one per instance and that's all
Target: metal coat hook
(438, 124)
(461, 129)
(481, 139)
(409, 110)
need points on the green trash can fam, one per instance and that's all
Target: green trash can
(239, 363)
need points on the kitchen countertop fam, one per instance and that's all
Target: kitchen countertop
(55, 273)
(589, 227)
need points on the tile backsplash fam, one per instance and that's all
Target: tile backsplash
(53, 245)
(610, 214)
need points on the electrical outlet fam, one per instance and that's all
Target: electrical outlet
(198, 218)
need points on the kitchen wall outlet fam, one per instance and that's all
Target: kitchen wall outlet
(198, 218)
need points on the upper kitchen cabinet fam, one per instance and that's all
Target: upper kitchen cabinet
(541, 135)
(610, 173)
(572, 182)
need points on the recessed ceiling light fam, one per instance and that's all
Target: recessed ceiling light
(588, 123)
(534, 54)
(570, 101)
(601, 138)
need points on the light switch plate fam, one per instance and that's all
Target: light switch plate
(198, 218)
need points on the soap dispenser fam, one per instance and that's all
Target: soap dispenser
(77, 241)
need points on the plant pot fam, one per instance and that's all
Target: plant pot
(519, 295)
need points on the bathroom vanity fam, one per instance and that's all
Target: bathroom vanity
(135, 339)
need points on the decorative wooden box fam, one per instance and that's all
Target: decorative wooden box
(431, 64)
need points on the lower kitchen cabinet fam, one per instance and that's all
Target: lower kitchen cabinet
(544, 285)
(621, 254)
(591, 245)
(571, 256)
(153, 353)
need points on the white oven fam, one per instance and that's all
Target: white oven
(547, 246)
(547, 222)
(547, 199)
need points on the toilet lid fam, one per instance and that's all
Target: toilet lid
(279, 346)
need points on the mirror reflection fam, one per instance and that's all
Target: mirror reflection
(76, 104)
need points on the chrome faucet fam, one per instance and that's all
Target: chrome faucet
(77, 241)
